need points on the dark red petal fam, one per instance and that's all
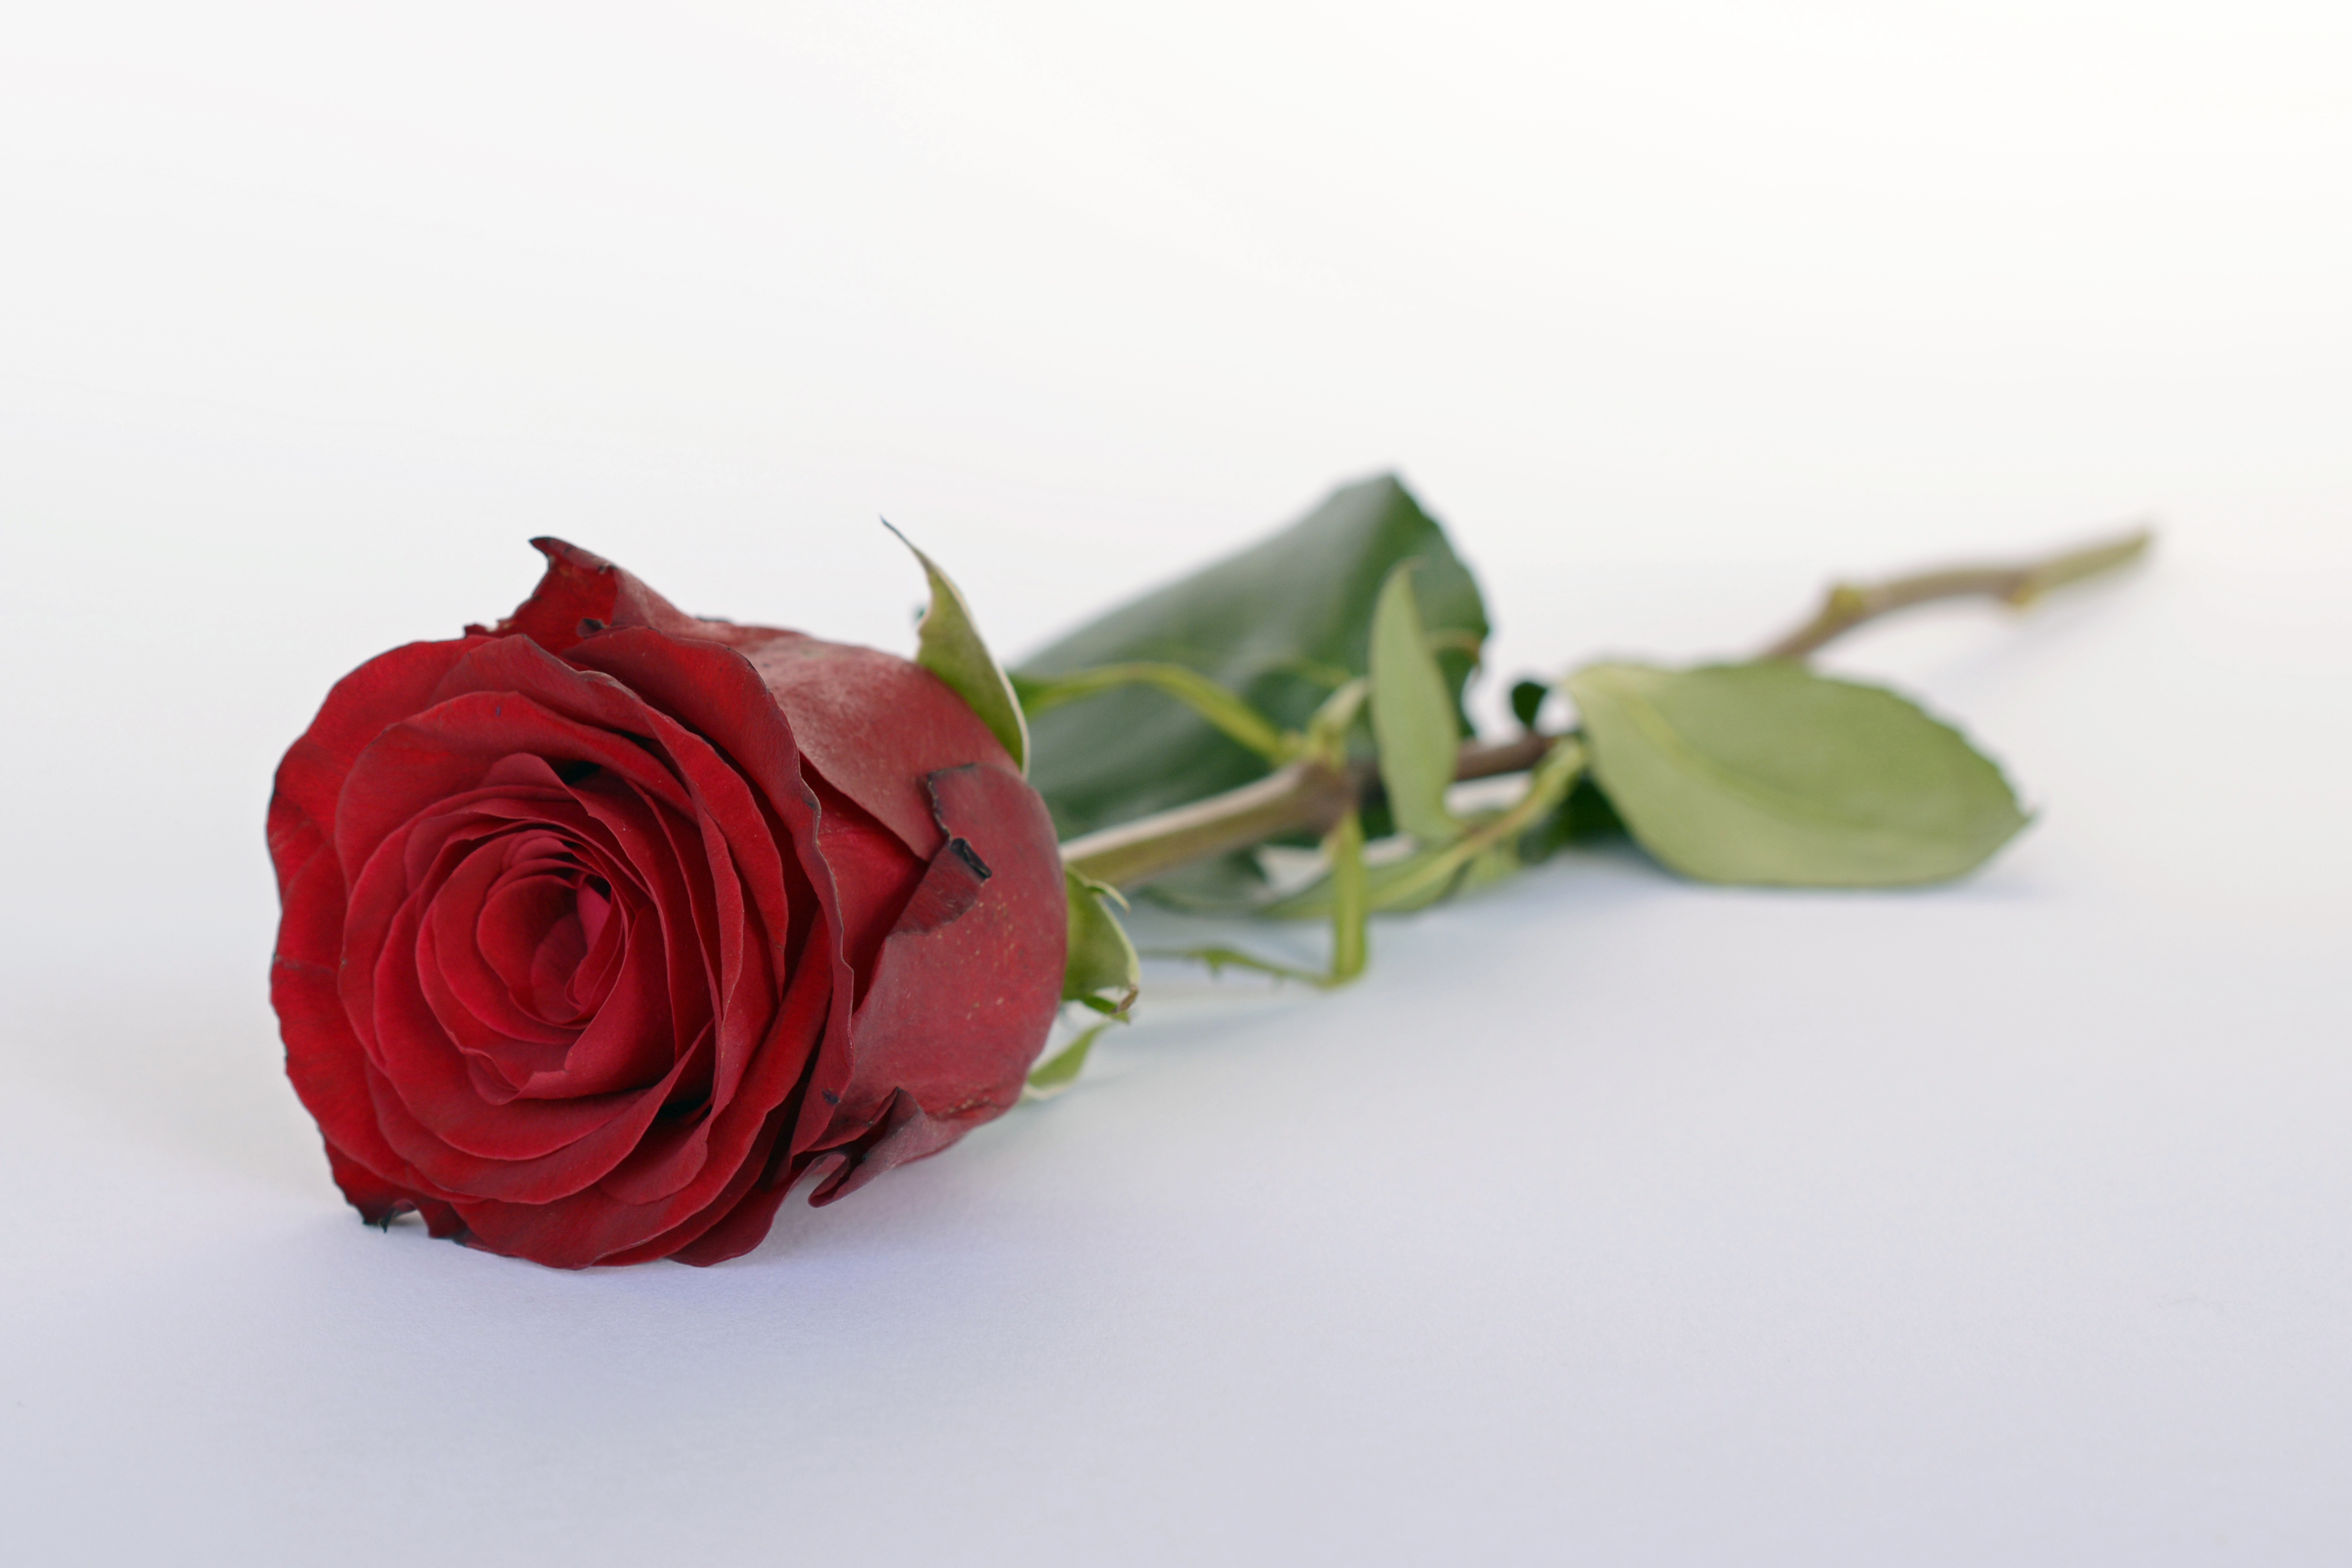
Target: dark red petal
(446, 750)
(730, 1150)
(873, 873)
(572, 1235)
(380, 1203)
(630, 1044)
(323, 1057)
(484, 942)
(382, 692)
(525, 1150)
(582, 594)
(905, 1133)
(736, 1231)
(874, 726)
(958, 1009)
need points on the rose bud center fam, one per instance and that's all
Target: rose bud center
(543, 981)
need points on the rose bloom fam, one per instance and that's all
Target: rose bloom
(605, 924)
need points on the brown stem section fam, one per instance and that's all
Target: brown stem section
(1848, 605)
(1306, 795)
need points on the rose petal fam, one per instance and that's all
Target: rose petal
(957, 1011)
(875, 727)
(382, 692)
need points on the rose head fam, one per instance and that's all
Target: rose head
(603, 925)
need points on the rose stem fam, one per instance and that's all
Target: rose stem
(2018, 584)
(1309, 796)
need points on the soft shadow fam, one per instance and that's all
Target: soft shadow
(183, 1060)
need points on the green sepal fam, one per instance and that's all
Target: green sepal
(949, 645)
(1768, 774)
(1414, 721)
(1058, 1071)
(1102, 972)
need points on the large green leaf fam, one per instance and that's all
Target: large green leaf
(1769, 772)
(1283, 623)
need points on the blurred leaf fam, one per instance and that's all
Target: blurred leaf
(1281, 624)
(1212, 702)
(1584, 816)
(1057, 1072)
(1102, 972)
(1414, 718)
(1768, 773)
(949, 645)
(1528, 700)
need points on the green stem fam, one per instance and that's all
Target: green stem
(1300, 796)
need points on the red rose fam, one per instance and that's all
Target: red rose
(603, 925)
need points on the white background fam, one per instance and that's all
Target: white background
(1612, 1220)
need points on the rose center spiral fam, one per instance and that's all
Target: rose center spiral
(531, 940)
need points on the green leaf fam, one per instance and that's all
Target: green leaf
(1229, 713)
(949, 645)
(1414, 716)
(1768, 773)
(1281, 625)
(1102, 971)
(1051, 1077)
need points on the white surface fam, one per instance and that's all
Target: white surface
(1611, 1220)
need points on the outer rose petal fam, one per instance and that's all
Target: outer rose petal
(875, 725)
(966, 988)
(386, 689)
(582, 594)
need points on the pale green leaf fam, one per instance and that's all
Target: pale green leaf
(949, 645)
(1413, 718)
(1768, 773)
